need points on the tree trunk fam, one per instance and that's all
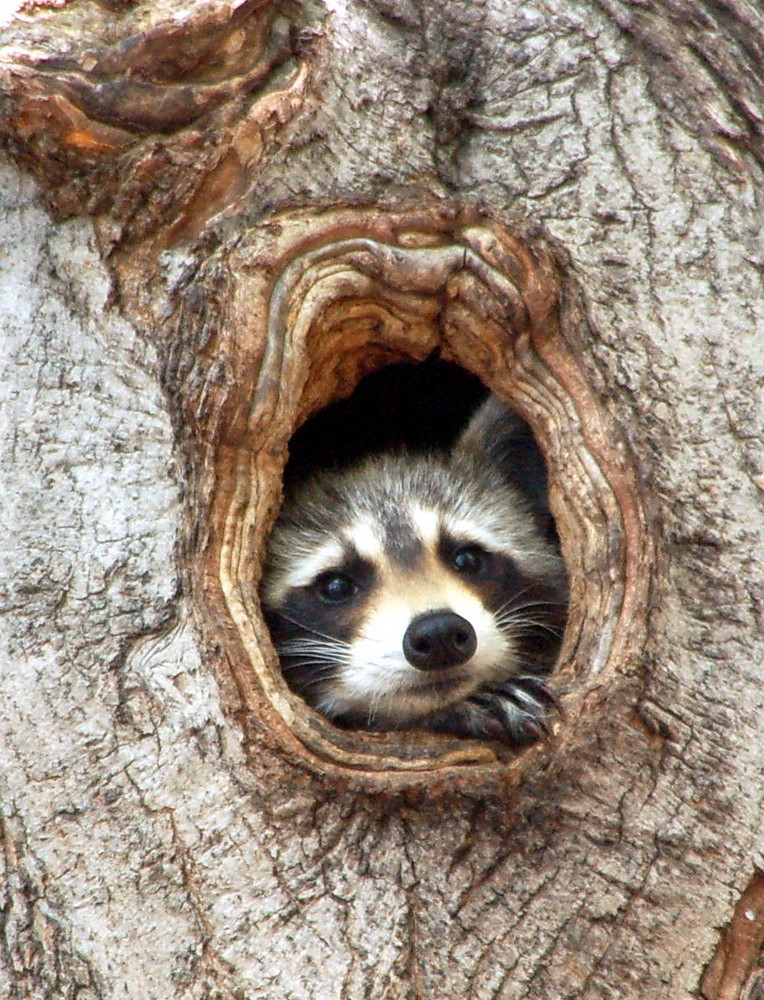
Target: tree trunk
(216, 219)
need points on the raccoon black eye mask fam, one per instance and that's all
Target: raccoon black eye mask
(424, 591)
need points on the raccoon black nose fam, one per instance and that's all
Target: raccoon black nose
(439, 639)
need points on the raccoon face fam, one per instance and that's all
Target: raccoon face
(418, 591)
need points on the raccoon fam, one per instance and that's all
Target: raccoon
(424, 591)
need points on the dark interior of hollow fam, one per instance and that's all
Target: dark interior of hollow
(415, 406)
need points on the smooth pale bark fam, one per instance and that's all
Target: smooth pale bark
(161, 837)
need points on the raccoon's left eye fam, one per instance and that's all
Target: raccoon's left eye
(470, 559)
(336, 587)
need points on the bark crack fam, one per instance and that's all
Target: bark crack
(36, 936)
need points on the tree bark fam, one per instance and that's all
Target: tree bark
(216, 219)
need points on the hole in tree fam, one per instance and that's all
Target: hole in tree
(342, 310)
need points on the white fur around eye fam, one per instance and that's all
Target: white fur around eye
(483, 529)
(366, 538)
(426, 524)
(303, 570)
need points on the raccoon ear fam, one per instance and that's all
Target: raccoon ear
(497, 435)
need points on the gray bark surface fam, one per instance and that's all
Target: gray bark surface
(155, 841)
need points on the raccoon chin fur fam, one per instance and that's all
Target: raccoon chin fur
(424, 591)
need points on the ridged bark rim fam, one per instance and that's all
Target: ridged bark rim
(320, 299)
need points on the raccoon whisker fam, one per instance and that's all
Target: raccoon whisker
(513, 598)
(292, 646)
(308, 628)
(526, 612)
(521, 634)
(307, 653)
(307, 656)
(513, 603)
(520, 625)
(516, 630)
(537, 621)
(511, 606)
(526, 615)
(324, 667)
(515, 624)
(522, 662)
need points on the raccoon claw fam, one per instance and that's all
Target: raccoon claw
(519, 709)
(517, 712)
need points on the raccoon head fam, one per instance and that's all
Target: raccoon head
(408, 590)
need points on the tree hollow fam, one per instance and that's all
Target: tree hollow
(316, 302)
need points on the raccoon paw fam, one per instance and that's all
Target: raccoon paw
(518, 711)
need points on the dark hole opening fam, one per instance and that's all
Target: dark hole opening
(414, 406)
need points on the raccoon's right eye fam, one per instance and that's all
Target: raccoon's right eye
(336, 587)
